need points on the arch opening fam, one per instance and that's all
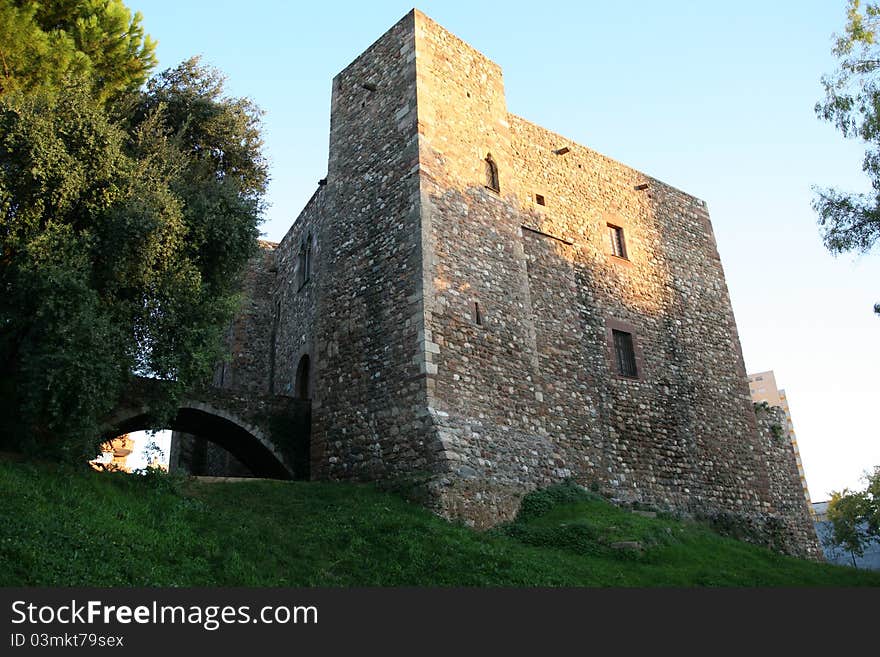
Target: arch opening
(209, 428)
(134, 453)
(301, 386)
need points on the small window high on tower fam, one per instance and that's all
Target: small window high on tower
(624, 354)
(305, 261)
(492, 174)
(618, 245)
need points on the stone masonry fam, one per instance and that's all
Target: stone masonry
(451, 302)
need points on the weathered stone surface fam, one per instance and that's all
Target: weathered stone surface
(795, 532)
(249, 337)
(239, 432)
(462, 337)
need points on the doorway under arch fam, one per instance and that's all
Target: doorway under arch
(301, 384)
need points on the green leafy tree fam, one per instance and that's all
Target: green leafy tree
(851, 221)
(61, 167)
(43, 44)
(219, 181)
(123, 230)
(855, 516)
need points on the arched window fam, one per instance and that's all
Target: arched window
(301, 389)
(492, 174)
(304, 260)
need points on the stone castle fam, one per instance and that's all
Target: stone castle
(478, 307)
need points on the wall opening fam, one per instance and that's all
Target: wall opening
(134, 452)
(213, 443)
(478, 315)
(492, 174)
(304, 261)
(618, 244)
(301, 387)
(625, 354)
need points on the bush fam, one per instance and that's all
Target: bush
(539, 502)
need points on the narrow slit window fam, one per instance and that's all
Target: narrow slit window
(625, 354)
(478, 315)
(492, 174)
(305, 261)
(618, 244)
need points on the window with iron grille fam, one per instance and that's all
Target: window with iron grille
(625, 354)
(618, 245)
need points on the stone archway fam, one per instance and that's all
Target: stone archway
(245, 442)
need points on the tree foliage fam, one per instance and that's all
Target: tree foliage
(43, 44)
(851, 221)
(125, 221)
(855, 515)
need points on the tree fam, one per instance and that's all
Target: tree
(855, 516)
(42, 44)
(851, 221)
(126, 218)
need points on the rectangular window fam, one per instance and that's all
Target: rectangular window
(478, 316)
(618, 246)
(625, 354)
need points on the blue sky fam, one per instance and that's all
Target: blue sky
(714, 98)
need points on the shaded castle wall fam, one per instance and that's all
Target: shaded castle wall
(295, 297)
(249, 338)
(194, 455)
(369, 412)
(795, 533)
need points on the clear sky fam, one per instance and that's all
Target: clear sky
(715, 98)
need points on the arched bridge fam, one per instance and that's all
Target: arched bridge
(268, 434)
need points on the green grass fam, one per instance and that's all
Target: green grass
(65, 527)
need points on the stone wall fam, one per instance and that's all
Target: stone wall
(796, 530)
(295, 297)
(482, 390)
(369, 410)
(529, 395)
(676, 433)
(249, 338)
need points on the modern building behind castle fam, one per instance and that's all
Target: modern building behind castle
(478, 306)
(762, 388)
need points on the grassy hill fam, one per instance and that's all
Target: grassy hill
(60, 526)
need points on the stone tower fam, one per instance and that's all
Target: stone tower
(479, 306)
